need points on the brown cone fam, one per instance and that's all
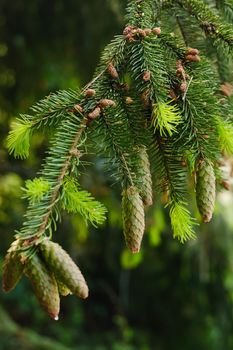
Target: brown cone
(44, 285)
(145, 188)
(12, 271)
(133, 218)
(205, 190)
(64, 268)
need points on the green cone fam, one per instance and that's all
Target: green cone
(12, 271)
(64, 268)
(133, 218)
(145, 189)
(44, 285)
(205, 190)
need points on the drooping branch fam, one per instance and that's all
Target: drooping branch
(148, 90)
(70, 135)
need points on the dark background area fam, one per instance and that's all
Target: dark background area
(171, 296)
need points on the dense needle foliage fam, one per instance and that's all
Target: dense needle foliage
(155, 109)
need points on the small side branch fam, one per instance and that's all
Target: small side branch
(60, 179)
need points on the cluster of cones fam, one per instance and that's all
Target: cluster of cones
(52, 273)
(131, 33)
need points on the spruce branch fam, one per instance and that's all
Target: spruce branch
(182, 31)
(173, 45)
(170, 173)
(76, 200)
(59, 182)
(140, 13)
(70, 135)
(114, 134)
(198, 112)
(112, 130)
(153, 107)
(172, 179)
(40, 215)
(208, 20)
(48, 112)
(226, 8)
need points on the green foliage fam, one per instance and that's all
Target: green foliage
(149, 61)
(56, 163)
(18, 141)
(75, 200)
(36, 189)
(209, 21)
(49, 112)
(112, 134)
(134, 12)
(226, 8)
(169, 173)
(165, 118)
(148, 56)
(182, 222)
(199, 108)
(201, 268)
(225, 133)
(151, 91)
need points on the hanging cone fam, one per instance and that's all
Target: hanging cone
(12, 271)
(205, 190)
(145, 189)
(64, 268)
(133, 218)
(44, 285)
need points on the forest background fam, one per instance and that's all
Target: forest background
(170, 296)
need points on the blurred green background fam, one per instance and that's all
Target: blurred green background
(171, 296)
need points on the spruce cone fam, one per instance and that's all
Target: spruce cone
(112, 71)
(44, 285)
(64, 268)
(206, 190)
(146, 191)
(133, 218)
(12, 271)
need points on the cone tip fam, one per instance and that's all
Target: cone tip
(54, 316)
(135, 250)
(86, 294)
(147, 202)
(207, 218)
